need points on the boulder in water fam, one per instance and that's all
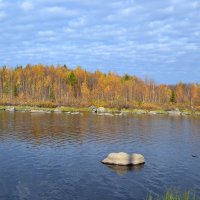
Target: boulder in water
(123, 158)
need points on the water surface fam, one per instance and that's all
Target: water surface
(57, 156)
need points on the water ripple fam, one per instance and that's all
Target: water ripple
(57, 156)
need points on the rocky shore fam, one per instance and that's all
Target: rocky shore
(100, 111)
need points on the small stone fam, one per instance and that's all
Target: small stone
(37, 111)
(175, 112)
(57, 110)
(152, 113)
(93, 109)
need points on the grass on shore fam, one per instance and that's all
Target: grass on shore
(174, 195)
(62, 108)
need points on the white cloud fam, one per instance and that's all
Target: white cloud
(192, 47)
(195, 4)
(155, 23)
(69, 30)
(177, 1)
(46, 33)
(121, 33)
(27, 5)
(2, 15)
(4, 4)
(77, 23)
(130, 10)
(197, 33)
(59, 11)
(169, 9)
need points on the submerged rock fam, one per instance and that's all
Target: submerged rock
(108, 114)
(119, 114)
(123, 158)
(100, 114)
(101, 110)
(105, 114)
(122, 170)
(195, 156)
(75, 113)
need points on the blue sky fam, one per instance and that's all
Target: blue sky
(158, 39)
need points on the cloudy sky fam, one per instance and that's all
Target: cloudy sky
(158, 39)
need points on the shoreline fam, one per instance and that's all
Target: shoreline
(108, 111)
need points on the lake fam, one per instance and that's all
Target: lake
(57, 156)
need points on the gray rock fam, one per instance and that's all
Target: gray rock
(186, 113)
(152, 113)
(175, 112)
(101, 110)
(123, 158)
(10, 109)
(140, 112)
(57, 110)
(37, 111)
(93, 109)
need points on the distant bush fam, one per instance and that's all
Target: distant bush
(150, 106)
(197, 108)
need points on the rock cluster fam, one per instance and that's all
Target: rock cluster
(175, 112)
(11, 109)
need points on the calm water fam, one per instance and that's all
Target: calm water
(57, 156)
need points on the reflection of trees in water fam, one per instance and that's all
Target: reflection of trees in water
(122, 170)
(39, 128)
(57, 128)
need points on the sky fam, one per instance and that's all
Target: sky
(156, 39)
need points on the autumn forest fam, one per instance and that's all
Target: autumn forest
(51, 86)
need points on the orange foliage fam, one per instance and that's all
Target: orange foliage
(51, 86)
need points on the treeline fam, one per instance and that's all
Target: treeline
(55, 86)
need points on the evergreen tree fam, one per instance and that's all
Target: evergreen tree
(15, 91)
(173, 97)
(72, 79)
